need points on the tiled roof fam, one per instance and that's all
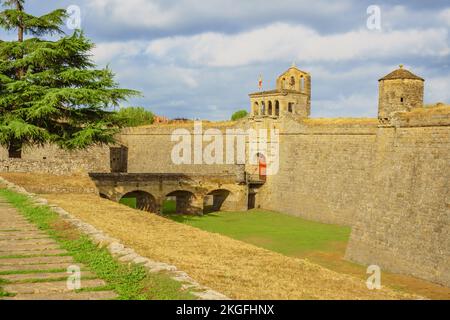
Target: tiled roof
(401, 74)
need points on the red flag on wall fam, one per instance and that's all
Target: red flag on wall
(260, 82)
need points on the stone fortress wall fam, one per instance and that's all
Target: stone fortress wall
(324, 169)
(403, 221)
(388, 178)
(51, 159)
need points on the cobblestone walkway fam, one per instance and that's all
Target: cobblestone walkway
(34, 267)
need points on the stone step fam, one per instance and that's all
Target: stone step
(15, 224)
(12, 228)
(32, 252)
(22, 233)
(40, 276)
(35, 267)
(52, 286)
(10, 212)
(24, 237)
(35, 260)
(94, 295)
(17, 247)
(28, 228)
(13, 220)
(25, 241)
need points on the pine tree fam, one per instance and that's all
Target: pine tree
(50, 91)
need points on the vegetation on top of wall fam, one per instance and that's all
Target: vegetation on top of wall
(239, 115)
(426, 111)
(438, 104)
(135, 116)
(435, 108)
(340, 121)
(50, 90)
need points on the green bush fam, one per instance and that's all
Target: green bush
(239, 115)
(135, 116)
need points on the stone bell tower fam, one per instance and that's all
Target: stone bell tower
(292, 97)
(399, 91)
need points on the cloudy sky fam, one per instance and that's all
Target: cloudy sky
(200, 59)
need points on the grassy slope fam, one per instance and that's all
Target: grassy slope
(320, 243)
(237, 269)
(129, 281)
(274, 231)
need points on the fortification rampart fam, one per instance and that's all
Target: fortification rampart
(324, 169)
(53, 160)
(403, 222)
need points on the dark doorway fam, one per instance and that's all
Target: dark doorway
(15, 150)
(118, 159)
(251, 200)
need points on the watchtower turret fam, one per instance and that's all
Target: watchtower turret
(399, 91)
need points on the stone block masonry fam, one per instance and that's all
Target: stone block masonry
(50, 159)
(403, 222)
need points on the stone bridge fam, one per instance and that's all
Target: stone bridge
(193, 194)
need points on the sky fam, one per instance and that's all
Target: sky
(200, 59)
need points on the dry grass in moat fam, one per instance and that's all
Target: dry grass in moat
(237, 269)
(48, 183)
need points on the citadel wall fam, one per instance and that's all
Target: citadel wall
(324, 169)
(403, 222)
(51, 159)
(150, 149)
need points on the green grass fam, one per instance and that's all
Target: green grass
(4, 293)
(275, 231)
(130, 202)
(169, 206)
(128, 281)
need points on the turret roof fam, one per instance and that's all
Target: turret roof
(401, 74)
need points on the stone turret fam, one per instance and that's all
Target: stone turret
(399, 91)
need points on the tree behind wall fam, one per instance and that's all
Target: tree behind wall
(50, 91)
(135, 116)
(239, 115)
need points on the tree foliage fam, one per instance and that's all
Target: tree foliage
(50, 91)
(239, 115)
(135, 116)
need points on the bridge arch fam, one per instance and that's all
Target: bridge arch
(182, 202)
(104, 196)
(139, 199)
(214, 200)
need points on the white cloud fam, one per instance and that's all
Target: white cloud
(445, 16)
(135, 12)
(105, 52)
(282, 41)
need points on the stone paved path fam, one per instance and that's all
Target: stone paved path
(40, 271)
